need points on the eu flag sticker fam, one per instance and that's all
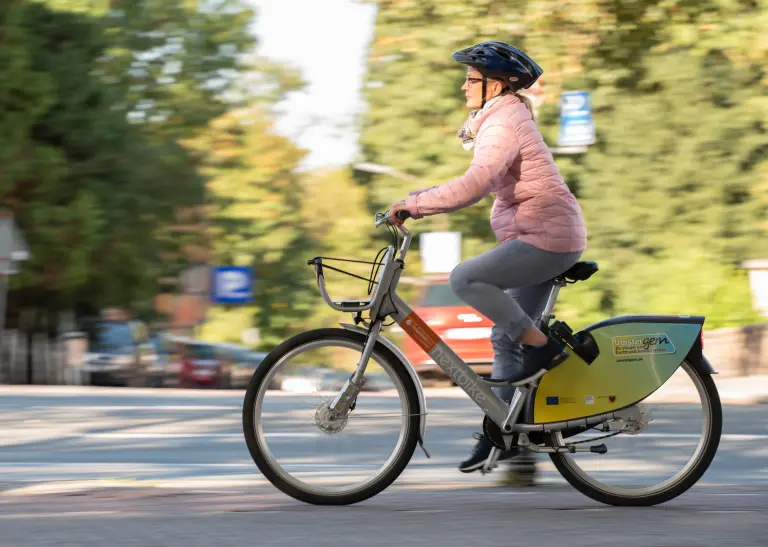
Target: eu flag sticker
(553, 401)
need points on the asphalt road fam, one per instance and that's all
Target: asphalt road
(170, 467)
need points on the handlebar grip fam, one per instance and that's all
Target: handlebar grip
(403, 215)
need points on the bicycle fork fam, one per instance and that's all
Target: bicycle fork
(346, 398)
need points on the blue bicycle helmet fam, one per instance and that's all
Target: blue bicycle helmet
(500, 61)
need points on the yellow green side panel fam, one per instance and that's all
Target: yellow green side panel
(635, 360)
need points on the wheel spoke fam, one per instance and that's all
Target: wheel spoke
(315, 454)
(656, 461)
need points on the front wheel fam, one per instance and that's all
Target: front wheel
(308, 452)
(662, 460)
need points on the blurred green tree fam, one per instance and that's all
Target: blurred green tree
(673, 192)
(255, 213)
(341, 225)
(87, 188)
(94, 99)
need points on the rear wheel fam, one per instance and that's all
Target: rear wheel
(307, 451)
(658, 463)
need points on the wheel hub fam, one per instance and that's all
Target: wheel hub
(329, 421)
(631, 420)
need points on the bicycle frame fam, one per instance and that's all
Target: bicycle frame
(385, 302)
(474, 386)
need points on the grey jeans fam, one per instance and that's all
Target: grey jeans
(509, 285)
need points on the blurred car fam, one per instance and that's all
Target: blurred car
(118, 352)
(167, 366)
(243, 364)
(331, 380)
(316, 379)
(297, 379)
(203, 365)
(313, 379)
(334, 380)
(378, 381)
(464, 329)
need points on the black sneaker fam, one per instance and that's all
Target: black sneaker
(481, 452)
(535, 359)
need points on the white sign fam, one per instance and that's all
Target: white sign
(577, 127)
(758, 281)
(13, 248)
(229, 284)
(440, 251)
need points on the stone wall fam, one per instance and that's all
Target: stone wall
(738, 351)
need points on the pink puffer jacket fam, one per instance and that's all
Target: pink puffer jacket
(532, 203)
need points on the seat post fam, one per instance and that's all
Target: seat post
(547, 313)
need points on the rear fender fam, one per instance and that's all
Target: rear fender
(696, 358)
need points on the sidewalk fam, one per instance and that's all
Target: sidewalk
(744, 390)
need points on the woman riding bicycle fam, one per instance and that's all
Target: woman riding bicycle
(535, 217)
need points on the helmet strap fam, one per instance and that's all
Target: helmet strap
(485, 83)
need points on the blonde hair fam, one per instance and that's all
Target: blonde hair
(527, 102)
(508, 89)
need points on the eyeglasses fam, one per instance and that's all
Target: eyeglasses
(473, 80)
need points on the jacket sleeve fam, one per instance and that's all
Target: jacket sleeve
(496, 149)
(417, 192)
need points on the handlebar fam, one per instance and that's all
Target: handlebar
(383, 218)
(402, 215)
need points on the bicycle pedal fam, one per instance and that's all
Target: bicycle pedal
(485, 470)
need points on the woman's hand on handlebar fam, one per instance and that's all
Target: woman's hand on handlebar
(398, 213)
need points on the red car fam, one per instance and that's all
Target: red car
(464, 329)
(203, 366)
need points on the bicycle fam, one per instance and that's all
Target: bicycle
(613, 371)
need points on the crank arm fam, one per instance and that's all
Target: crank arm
(525, 443)
(595, 449)
(491, 463)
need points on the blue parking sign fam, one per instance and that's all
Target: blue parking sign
(577, 128)
(232, 285)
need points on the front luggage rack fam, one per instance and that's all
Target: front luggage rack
(373, 282)
(317, 262)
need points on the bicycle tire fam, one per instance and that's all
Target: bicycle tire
(680, 486)
(257, 450)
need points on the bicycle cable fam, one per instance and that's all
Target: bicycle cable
(376, 264)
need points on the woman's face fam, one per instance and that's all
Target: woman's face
(473, 89)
